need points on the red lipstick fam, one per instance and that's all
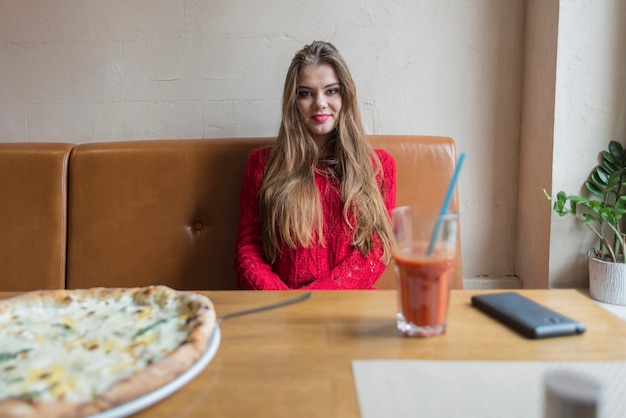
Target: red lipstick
(321, 118)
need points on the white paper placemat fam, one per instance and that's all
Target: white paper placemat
(441, 389)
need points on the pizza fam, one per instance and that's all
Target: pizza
(73, 353)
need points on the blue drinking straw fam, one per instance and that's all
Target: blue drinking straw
(446, 203)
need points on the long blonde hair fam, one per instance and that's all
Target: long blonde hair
(290, 208)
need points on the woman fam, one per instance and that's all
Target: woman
(315, 207)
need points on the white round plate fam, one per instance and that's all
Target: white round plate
(166, 390)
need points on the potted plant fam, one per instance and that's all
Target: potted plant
(603, 214)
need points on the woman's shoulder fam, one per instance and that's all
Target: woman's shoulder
(386, 160)
(256, 162)
(383, 155)
(260, 152)
(258, 156)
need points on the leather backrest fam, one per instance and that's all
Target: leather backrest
(33, 214)
(167, 211)
(424, 167)
(156, 212)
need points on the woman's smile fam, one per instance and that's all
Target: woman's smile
(321, 118)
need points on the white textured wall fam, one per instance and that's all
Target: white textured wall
(590, 109)
(104, 70)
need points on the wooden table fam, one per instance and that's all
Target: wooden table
(296, 361)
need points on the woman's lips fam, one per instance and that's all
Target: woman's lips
(321, 118)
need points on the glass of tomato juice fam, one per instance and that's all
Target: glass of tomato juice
(425, 256)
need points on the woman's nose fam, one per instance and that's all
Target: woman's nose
(320, 101)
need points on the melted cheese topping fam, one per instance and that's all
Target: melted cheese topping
(76, 350)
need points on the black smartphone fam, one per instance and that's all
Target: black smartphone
(526, 316)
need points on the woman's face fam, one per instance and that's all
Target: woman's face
(319, 100)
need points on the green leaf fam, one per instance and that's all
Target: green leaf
(577, 200)
(616, 150)
(559, 203)
(559, 208)
(593, 178)
(614, 179)
(594, 205)
(610, 167)
(593, 188)
(610, 159)
(620, 205)
(601, 174)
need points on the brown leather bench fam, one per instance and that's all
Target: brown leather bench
(166, 211)
(33, 215)
(150, 212)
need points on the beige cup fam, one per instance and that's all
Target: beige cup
(571, 395)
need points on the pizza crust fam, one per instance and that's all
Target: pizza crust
(202, 324)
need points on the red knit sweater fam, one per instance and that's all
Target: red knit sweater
(336, 265)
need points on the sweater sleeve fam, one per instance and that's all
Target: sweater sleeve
(251, 269)
(358, 271)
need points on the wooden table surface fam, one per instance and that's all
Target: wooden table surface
(296, 361)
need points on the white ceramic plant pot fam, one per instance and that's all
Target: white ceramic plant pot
(607, 281)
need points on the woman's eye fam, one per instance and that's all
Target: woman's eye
(332, 91)
(304, 94)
